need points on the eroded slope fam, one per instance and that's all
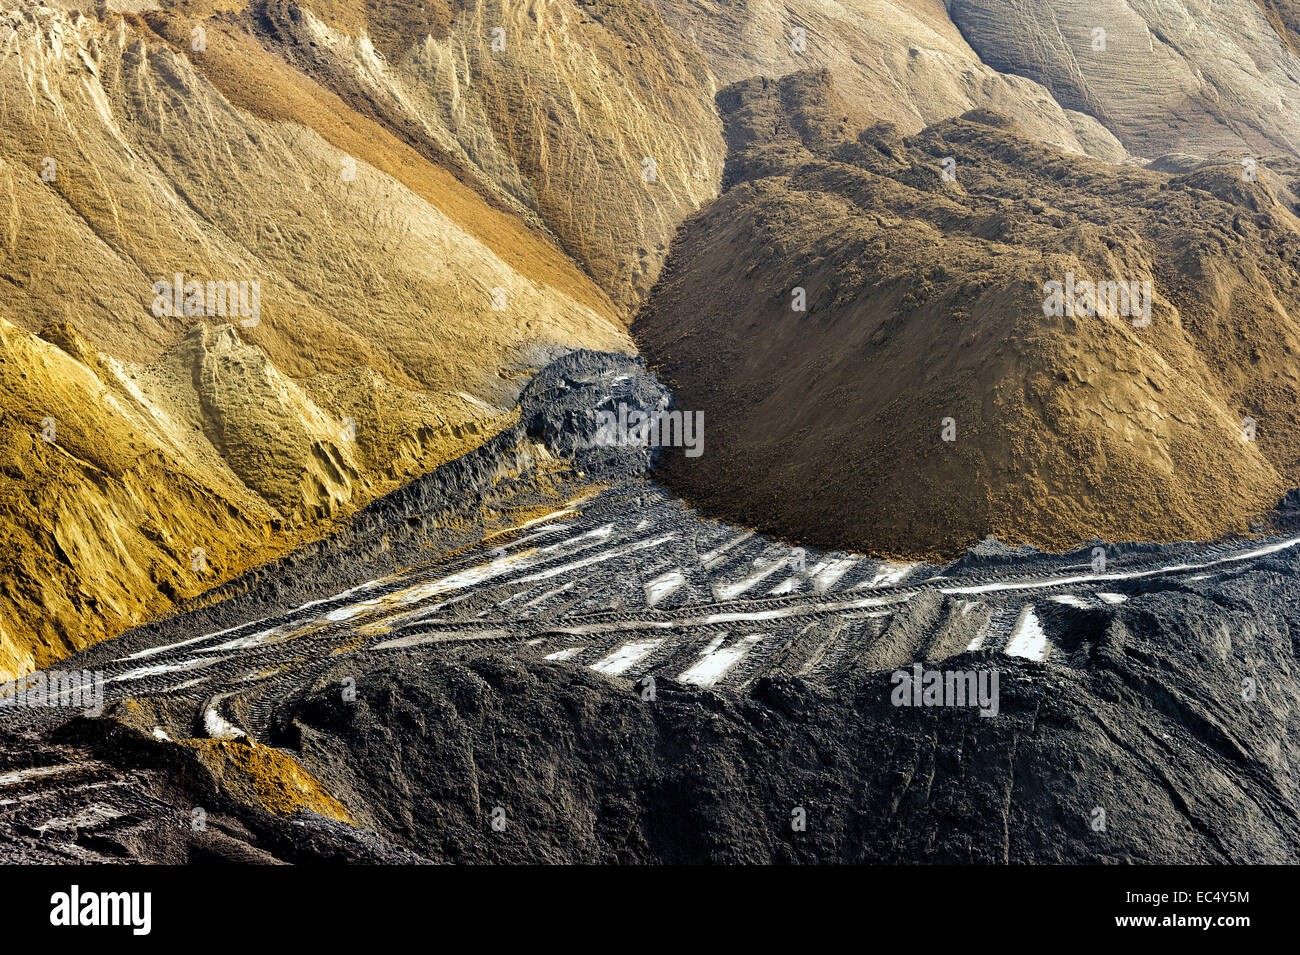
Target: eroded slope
(904, 60)
(367, 252)
(1217, 75)
(592, 119)
(128, 488)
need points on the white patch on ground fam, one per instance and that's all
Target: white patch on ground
(715, 662)
(625, 657)
(35, 772)
(550, 593)
(865, 602)
(160, 733)
(564, 654)
(338, 596)
(1111, 598)
(538, 534)
(828, 574)
(786, 586)
(421, 592)
(95, 814)
(757, 615)
(736, 588)
(151, 651)
(255, 639)
(888, 574)
(549, 517)
(659, 588)
(1028, 639)
(574, 544)
(216, 725)
(159, 668)
(517, 595)
(596, 559)
(714, 557)
(1070, 600)
(822, 575)
(187, 684)
(185, 643)
(1272, 548)
(1134, 575)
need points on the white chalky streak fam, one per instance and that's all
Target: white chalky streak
(625, 657)
(663, 585)
(715, 663)
(1028, 639)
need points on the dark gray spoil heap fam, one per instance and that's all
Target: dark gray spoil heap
(1147, 723)
(1145, 720)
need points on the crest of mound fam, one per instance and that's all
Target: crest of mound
(906, 62)
(928, 315)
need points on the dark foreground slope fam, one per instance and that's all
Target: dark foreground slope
(473, 707)
(1184, 770)
(1149, 727)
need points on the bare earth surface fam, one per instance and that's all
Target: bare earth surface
(360, 579)
(925, 303)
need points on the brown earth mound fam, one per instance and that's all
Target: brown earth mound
(926, 302)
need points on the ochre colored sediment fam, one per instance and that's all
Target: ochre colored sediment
(210, 447)
(252, 79)
(1284, 17)
(267, 777)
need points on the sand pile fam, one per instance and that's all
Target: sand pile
(925, 308)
